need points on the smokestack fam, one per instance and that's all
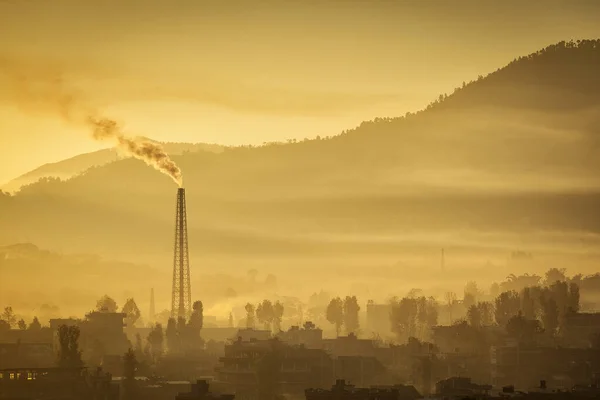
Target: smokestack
(181, 300)
(152, 313)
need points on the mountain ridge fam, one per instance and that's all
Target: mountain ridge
(519, 154)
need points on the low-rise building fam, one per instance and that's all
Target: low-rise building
(343, 391)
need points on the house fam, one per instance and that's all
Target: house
(343, 391)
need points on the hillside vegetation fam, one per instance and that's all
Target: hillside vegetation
(515, 151)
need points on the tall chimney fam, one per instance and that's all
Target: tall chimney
(181, 301)
(152, 313)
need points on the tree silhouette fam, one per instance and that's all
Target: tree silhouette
(4, 326)
(197, 317)
(131, 311)
(128, 390)
(249, 316)
(486, 311)
(69, 355)
(335, 314)
(450, 302)
(573, 297)
(265, 314)
(549, 312)
(156, 340)
(21, 324)
(508, 304)
(9, 316)
(277, 315)
(527, 303)
(35, 324)
(172, 336)
(474, 316)
(351, 309)
(308, 325)
(523, 329)
(106, 304)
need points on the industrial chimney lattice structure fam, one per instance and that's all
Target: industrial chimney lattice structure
(181, 303)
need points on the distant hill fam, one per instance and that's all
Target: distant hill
(70, 167)
(516, 151)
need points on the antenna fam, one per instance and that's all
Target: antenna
(443, 261)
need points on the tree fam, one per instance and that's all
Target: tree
(308, 325)
(69, 355)
(523, 329)
(432, 312)
(4, 326)
(106, 304)
(21, 324)
(508, 305)
(230, 320)
(9, 316)
(486, 311)
(249, 316)
(139, 347)
(172, 336)
(335, 314)
(128, 384)
(35, 325)
(471, 294)
(277, 315)
(554, 275)
(450, 301)
(197, 317)
(574, 297)
(474, 316)
(403, 316)
(156, 339)
(527, 303)
(549, 312)
(131, 311)
(351, 309)
(265, 314)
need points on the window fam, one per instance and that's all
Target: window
(30, 376)
(12, 375)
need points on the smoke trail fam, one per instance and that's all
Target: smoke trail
(43, 89)
(151, 153)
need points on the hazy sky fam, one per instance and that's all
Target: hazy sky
(253, 71)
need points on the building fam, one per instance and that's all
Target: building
(343, 391)
(199, 391)
(294, 368)
(461, 387)
(524, 367)
(248, 334)
(19, 355)
(581, 329)
(350, 346)
(310, 338)
(54, 383)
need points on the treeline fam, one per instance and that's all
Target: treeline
(267, 313)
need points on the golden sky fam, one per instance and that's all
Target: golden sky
(235, 72)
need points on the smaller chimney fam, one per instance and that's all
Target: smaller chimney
(152, 312)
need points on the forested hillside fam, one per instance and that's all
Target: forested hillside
(515, 151)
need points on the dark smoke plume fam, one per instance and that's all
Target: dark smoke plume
(37, 89)
(151, 153)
